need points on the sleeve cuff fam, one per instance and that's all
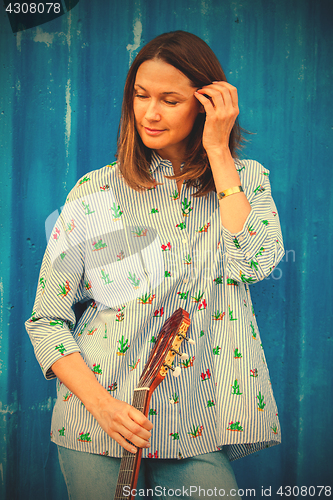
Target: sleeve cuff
(245, 244)
(54, 347)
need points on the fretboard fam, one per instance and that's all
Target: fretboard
(130, 462)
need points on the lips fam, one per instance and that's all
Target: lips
(153, 131)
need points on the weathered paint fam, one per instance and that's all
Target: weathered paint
(61, 90)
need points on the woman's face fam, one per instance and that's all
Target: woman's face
(165, 108)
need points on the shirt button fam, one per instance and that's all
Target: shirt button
(185, 280)
(184, 240)
(240, 238)
(248, 255)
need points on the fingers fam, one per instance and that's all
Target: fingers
(227, 91)
(134, 434)
(122, 422)
(220, 103)
(139, 418)
(219, 94)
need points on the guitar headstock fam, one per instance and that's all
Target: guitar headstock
(166, 349)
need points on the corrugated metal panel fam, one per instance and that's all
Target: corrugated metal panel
(61, 89)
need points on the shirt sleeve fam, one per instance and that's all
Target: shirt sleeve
(252, 253)
(59, 288)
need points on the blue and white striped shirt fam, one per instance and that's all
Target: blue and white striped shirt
(134, 258)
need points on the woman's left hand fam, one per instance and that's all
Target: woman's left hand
(221, 112)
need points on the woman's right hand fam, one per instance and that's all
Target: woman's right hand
(122, 421)
(118, 419)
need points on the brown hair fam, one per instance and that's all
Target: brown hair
(195, 59)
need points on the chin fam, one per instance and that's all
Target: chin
(152, 143)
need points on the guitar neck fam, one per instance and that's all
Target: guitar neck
(159, 362)
(130, 462)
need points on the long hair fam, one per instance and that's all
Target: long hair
(195, 59)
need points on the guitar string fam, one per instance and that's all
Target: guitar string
(127, 467)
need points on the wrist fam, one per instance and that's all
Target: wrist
(220, 153)
(96, 398)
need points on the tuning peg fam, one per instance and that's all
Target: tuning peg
(183, 355)
(175, 371)
(190, 341)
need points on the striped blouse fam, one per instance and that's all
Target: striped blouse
(131, 259)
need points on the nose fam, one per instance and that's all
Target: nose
(152, 111)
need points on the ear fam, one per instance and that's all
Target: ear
(201, 108)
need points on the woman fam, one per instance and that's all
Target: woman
(178, 221)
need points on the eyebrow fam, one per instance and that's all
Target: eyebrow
(162, 93)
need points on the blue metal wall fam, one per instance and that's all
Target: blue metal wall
(61, 89)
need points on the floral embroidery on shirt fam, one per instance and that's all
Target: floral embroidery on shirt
(196, 431)
(174, 399)
(147, 298)
(97, 369)
(134, 280)
(235, 388)
(187, 260)
(99, 245)
(84, 437)
(133, 366)
(205, 375)
(159, 313)
(166, 247)
(140, 232)
(216, 350)
(113, 387)
(116, 212)
(204, 228)
(261, 403)
(70, 226)
(61, 349)
(87, 209)
(218, 280)
(235, 426)
(187, 363)
(84, 180)
(56, 234)
(259, 189)
(186, 207)
(67, 396)
(218, 315)
(274, 429)
(105, 277)
(87, 284)
(120, 316)
(123, 346)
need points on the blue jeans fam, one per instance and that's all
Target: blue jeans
(91, 477)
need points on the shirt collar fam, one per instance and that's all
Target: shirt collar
(157, 162)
